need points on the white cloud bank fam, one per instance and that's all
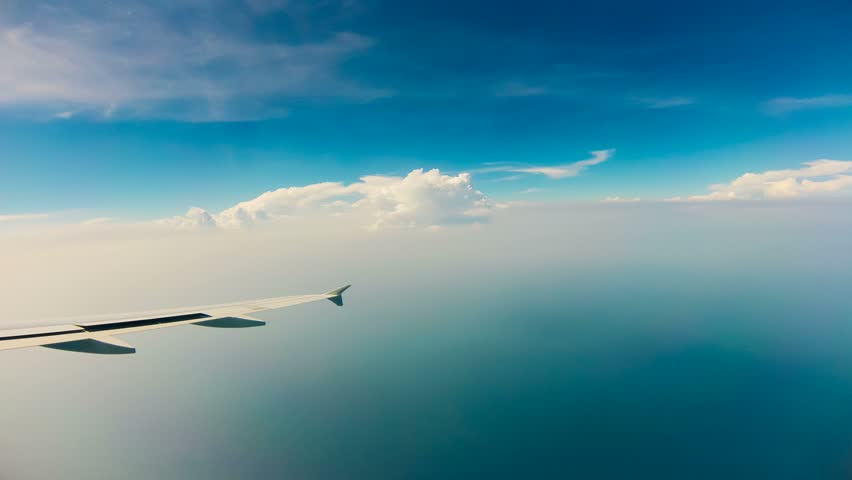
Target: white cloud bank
(421, 199)
(819, 178)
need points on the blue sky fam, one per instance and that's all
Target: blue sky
(143, 110)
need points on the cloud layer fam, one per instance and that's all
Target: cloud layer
(819, 178)
(421, 199)
(23, 217)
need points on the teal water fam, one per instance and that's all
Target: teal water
(616, 372)
(574, 378)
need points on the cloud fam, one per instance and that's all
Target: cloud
(563, 171)
(23, 217)
(621, 200)
(135, 60)
(783, 105)
(64, 115)
(555, 171)
(515, 89)
(819, 178)
(421, 199)
(664, 102)
(97, 221)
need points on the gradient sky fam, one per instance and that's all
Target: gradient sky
(140, 111)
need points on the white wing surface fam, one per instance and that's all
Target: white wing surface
(97, 334)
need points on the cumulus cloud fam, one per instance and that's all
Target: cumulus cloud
(136, 60)
(421, 199)
(195, 218)
(819, 178)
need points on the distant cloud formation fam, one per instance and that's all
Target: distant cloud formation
(819, 178)
(97, 221)
(23, 217)
(621, 200)
(421, 199)
(783, 105)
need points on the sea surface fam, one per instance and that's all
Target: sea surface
(614, 372)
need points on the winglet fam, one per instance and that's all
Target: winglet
(338, 291)
(336, 296)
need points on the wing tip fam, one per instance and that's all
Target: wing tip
(336, 296)
(338, 291)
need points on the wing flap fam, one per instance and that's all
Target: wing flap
(98, 344)
(231, 322)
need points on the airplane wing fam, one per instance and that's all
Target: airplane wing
(97, 334)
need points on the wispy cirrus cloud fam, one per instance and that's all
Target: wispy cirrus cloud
(818, 178)
(783, 105)
(517, 89)
(553, 171)
(658, 103)
(134, 60)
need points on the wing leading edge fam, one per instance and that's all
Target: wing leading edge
(98, 336)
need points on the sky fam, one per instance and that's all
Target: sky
(139, 111)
